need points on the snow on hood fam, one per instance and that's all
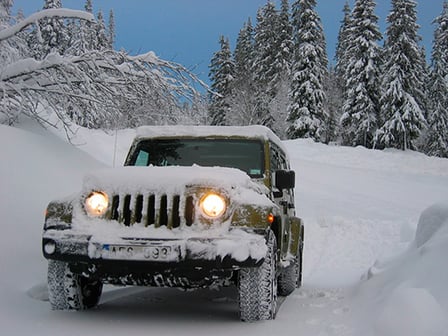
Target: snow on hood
(174, 180)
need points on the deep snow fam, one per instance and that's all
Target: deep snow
(361, 209)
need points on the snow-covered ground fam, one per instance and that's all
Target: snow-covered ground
(363, 272)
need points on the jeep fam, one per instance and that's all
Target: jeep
(193, 207)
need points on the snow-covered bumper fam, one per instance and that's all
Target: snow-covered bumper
(228, 252)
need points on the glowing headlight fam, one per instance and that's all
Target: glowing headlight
(213, 205)
(96, 203)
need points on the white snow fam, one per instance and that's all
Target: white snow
(363, 272)
(47, 13)
(142, 179)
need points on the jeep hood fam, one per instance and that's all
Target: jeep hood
(175, 180)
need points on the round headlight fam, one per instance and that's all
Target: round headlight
(213, 205)
(96, 203)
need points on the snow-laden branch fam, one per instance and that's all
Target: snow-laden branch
(98, 88)
(47, 13)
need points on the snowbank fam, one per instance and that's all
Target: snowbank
(406, 294)
(35, 168)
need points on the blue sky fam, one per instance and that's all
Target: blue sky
(187, 31)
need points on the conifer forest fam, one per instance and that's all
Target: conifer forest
(381, 90)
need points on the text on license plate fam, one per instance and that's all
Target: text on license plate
(152, 253)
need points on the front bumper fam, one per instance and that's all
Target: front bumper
(146, 254)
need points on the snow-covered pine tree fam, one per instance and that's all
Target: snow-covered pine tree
(84, 37)
(111, 30)
(404, 68)
(335, 86)
(89, 29)
(437, 140)
(102, 39)
(284, 47)
(221, 74)
(307, 111)
(333, 90)
(278, 106)
(361, 76)
(244, 52)
(51, 36)
(242, 101)
(266, 43)
(265, 51)
(342, 44)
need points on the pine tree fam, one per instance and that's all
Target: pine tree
(221, 75)
(88, 31)
(278, 106)
(342, 43)
(333, 90)
(361, 76)
(437, 142)
(53, 35)
(242, 101)
(244, 51)
(263, 69)
(284, 42)
(82, 34)
(111, 30)
(307, 112)
(402, 100)
(102, 42)
(266, 46)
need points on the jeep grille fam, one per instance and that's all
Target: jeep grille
(158, 210)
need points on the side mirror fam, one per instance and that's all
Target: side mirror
(284, 179)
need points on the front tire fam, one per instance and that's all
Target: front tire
(257, 287)
(70, 291)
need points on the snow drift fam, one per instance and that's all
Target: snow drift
(406, 294)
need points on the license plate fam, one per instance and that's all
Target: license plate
(150, 253)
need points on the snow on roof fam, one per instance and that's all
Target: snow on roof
(253, 131)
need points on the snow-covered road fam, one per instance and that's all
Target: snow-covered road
(359, 206)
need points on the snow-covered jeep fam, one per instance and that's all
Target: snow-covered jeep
(193, 207)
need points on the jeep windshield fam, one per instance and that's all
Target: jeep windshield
(246, 155)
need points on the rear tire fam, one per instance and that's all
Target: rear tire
(290, 277)
(257, 287)
(70, 291)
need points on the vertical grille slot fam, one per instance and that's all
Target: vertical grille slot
(127, 210)
(175, 222)
(115, 203)
(163, 212)
(151, 210)
(138, 209)
(189, 211)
